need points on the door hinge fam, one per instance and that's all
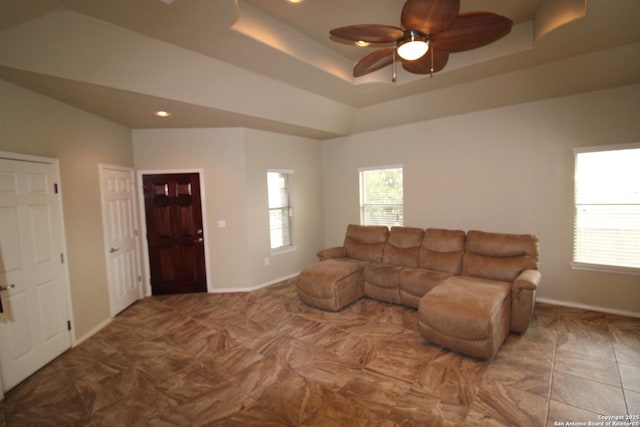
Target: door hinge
(68, 325)
(139, 278)
(61, 258)
(55, 188)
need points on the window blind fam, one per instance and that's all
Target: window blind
(607, 208)
(280, 209)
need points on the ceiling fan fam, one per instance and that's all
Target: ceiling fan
(432, 30)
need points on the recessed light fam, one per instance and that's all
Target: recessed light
(162, 114)
(295, 1)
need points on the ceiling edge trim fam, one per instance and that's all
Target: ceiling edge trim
(266, 30)
(553, 14)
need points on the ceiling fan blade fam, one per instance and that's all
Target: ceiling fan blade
(373, 62)
(424, 65)
(372, 33)
(472, 30)
(429, 16)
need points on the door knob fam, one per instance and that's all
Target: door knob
(112, 250)
(6, 288)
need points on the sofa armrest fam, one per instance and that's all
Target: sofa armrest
(329, 253)
(528, 279)
(523, 299)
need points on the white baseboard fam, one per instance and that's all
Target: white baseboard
(589, 307)
(78, 341)
(254, 288)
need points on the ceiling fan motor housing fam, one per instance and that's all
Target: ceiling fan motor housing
(413, 35)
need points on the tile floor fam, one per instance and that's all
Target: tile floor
(263, 358)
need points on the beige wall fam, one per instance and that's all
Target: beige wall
(220, 155)
(508, 170)
(37, 125)
(265, 150)
(234, 164)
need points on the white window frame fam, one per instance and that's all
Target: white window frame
(291, 246)
(578, 265)
(362, 192)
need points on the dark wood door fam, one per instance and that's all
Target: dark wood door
(173, 209)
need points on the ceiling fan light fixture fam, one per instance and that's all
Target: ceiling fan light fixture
(413, 45)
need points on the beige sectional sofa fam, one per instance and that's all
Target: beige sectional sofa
(470, 289)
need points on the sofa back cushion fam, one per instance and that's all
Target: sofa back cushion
(499, 256)
(442, 250)
(403, 246)
(365, 242)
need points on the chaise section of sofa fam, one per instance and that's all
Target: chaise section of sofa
(468, 315)
(331, 284)
(336, 281)
(513, 258)
(473, 312)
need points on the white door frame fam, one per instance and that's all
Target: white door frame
(102, 167)
(143, 224)
(66, 285)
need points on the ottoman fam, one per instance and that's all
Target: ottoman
(331, 284)
(469, 315)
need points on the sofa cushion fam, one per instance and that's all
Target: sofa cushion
(414, 283)
(499, 256)
(442, 250)
(365, 243)
(501, 244)
(418, 282)
(382, 275)
(496, 268)
(403, 246)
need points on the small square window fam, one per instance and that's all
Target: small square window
(381, 196)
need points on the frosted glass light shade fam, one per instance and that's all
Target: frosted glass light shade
(413, 45)
(413, 50)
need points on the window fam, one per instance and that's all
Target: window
(280, 209)
(381, 201)
(607, 208)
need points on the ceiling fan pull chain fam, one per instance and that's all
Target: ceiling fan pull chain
(432, 68)
(394, 76)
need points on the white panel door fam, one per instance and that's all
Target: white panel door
(119, 210)
(34, 327)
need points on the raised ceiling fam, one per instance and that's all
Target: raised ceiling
(270, 64)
